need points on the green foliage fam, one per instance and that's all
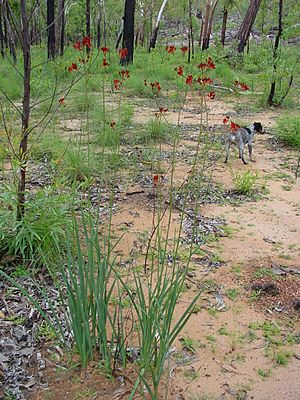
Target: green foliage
(244, 182)
(39, 238)
(288, 130)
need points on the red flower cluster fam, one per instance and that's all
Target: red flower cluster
(184, 49)
(189, 80)
(155, 179)
(86, 42)
(234, 127)
(77, 45)
(241, 85)
(226, 119)
(155, 86)
(208, 65)
(117, 84)
(179, 70)
(211, 95)
(161, 112)
(205, 81)
(104, 50)
(61, 100)
(72, 67)
(125, 74)
(123, 53)
(170, 49)
(105, 63)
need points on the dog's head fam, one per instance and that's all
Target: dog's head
(258, 127)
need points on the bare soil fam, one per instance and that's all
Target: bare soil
(232, 357)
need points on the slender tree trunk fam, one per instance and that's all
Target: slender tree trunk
(201, 32)
(88, 21)
(191, 34)
(205, 26)
(58, 25)
(26, 109)
(246, 26)
(275, 54)
(120, 34)
(99, 24)
(8, 33)
(153, 38)
(128, 35)
(209, 17)
(224, 25)
(1, 34)
(51, 29)
(62, 32)
(104, 23)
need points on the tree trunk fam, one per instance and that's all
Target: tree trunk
(128, 34)
(8, 33)
(51, 29)
(26, 110)
(224, 25)
(88, 21)
(104, 23)
(246, 26)
(58, 25)
(99, 24)
(1, 35)
(191, 34)
(275, 54)
(205, 26)
(62, 32)
(153, 38)
(209, 23)
(120, 34)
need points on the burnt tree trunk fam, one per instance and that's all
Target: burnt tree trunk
(88, 21)
(275, 54)
(51, 29)
(246, 26)
(191, 34)
(99, 13)
(128, 33)
(210, 23)
(1, 35)
(153, 38)
(8, 35)
(62, 32)
(26, 109)
(205, 25)
(224, 25)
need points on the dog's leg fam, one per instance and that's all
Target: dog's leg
(250, 152)
(241, 149)
(227, 151)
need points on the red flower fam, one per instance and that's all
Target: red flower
(234, 127)
(73, 67)
(211, 95)
(117, 84)
(123, 53)
(104, 50)
(77, 45)
(124, 73)
(225, 120)
(210, 63)
(87, 41)
(179, 70)
(155, 180)
(170, 49)
(112, 124)
(61, 100)
(184, 49)
(155, 87)
(202, 66)
(241, 85)
(105, 63)
(204, 81)
(162, 110)
(145, 82)
(189, 80)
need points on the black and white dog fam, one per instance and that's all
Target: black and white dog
(242, 137)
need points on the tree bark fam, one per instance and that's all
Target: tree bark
(205, 24)
(191, 34)
(8, 32)
(99, 13)
(58, 25)
(51, 29)
(62, 32)
(88, 21)
(128, 34)
(1, 34)
(26, 110)
(153, 38)
(224, 25)
(209, 23)
(275, 54)
(246, 26)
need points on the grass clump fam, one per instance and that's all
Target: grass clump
(244, 182)
(288, 130)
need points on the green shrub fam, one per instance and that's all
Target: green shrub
(245, 181)
(39, 238)
(288, 130)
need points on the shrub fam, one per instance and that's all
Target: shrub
(244, 182)
(288, 130)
